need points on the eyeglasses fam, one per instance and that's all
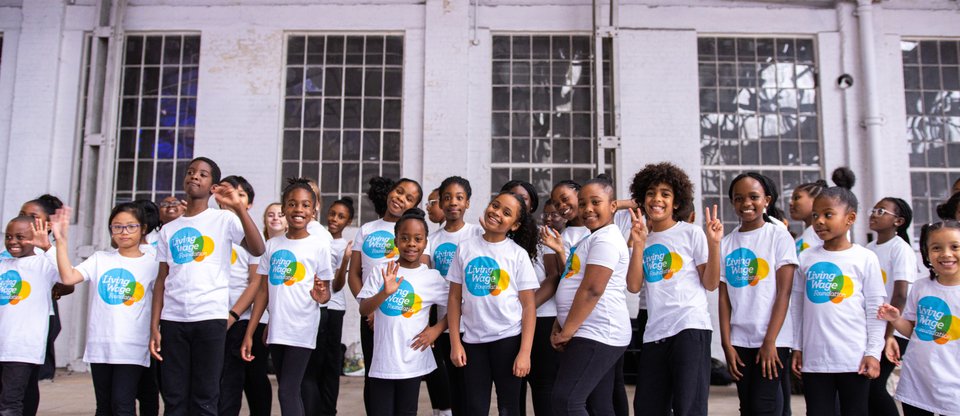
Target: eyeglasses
(124, 229)
(169, 204)
(879, 212)
(432, 202)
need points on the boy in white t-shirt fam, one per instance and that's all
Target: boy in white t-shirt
(191, 293)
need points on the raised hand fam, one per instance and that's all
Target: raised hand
(888, 312)
(390, 281)
(551, 238)
(228, 197)
(712, 224)
(638, 230)
(60, 223)
(348, 251)
(41, 237)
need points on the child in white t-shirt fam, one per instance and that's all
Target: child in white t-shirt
(492, 285)
(836, 293)
(296, 270)
(118, 328)
(801, 209)
(929, 381)
(678, 264)
(759, 261)
(890, 218)
(401, 298)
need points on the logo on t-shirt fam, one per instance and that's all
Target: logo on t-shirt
(884, 273)
(118, 286)
(403, 302)
(573, 264)
(189, 245)
(743, 268)
(826, 282)
(443, 256)
(483, 276)
(935, 322)
(285, 269)
(660, 263)
(13, 289)
(379, 245)
(801, 246)
(233, 256)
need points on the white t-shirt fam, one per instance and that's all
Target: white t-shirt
(375, 242)
(198, 251)
(835, 297)
(549, 307)
(314, 227)
(930, 376)
(624, 222)
(400, 318)
(809, 239)
(121, 298)
(676, 298)
(290, 266)
(442, 248)
(337, 301)
(491, 275)
(240, 262)
(609, 322)
(898, 262)
(750, 263)
(570, 236)
(25, 305)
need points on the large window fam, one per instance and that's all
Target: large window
(543, 109)
(759, 112)
(158, 110)
(931, 80)
(342, 116)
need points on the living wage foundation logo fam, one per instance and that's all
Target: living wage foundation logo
(483, 276)
(827, 283)
(935, 322)
(189, 245)
(285, 269)
(659, 263)
(801, 246)
(118, 286)
(573, 264)
(742, 268)
(404, 302)
(443, 257)
(380, 245)
(13, 289)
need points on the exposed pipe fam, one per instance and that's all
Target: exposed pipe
(872, 120)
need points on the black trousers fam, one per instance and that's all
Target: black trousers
(240, 376)
(438, 386)
(321, 382)
(492, 363)
(14, 380)
(115, 388)
(290, 363)
(543, 370)
(822, 390)
(909, 410)
(674, 374)
(192, 362)
(148, 389)
(366, 349)
(394, 397)
(454, 374)
(760, 395)
(585, 378)
(881, 404)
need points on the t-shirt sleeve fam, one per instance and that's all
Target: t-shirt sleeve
(526, 276)
(358, 239)
(233, 227)
(910, 308)
(163, 247)
(786, 249)
(88, 269)
(604, 252)
(263, 268)
(698, 247)
(724, 244)
(455, 272)
(443, 292)
(323, 262)
(371, 286)
(904, 265)
(873, 277)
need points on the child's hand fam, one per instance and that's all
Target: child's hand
(638, 230)
(348, 251)
(769, 360)
(319, 292)
(558, 340)
(888, 312)
(246, 349)
(521, 365)
(228, 197)
(869, 367)
(370, 320)
(892, 350)
(425, 338)
(457, 355)
(41, 238)
(155, 344)
(712, 225)
(551, 238)
(734, 363)
(60, 223)
(390, 281)
(797, 363)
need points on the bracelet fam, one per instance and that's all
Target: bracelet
(234, 315)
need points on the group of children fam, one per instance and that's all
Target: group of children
(503, 303)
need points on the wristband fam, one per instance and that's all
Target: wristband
(234, 315)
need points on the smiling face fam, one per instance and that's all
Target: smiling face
(198, 180)
(17, 239)
(658, 203)
(749, 201)
(170, 209)
(338, 216)
(801, 206)
(596, 206)
(274, 220)
(411, 240)
(551, 217)
(943, 249)
(403, 197)
(831, 218)
(298, 208)
(129, 237)
(565, 200)
(454, 202)
(502, 215)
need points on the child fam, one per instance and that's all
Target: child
(801, 207)
(191, 294)
(950, 210)
(401, 299)
(171, 208)
(835, 297)
(928, 376)
(593, 324)
(118, 328)
(890, 218)
(274, 223)
(24, 319)
(295, 269)
(434, 211)
(494, 280)
(551, 218)
(678, 264)
(759, 261)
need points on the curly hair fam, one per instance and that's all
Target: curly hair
(527, 235)
(664, 173)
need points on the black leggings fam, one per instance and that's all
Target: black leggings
(454, 374)
(909, 410)
(290, 364)
(148, 389)
(674, 373)
(438, 381)
(393, 397)
(881, 404)
(321, 383)
(366, 348)
(115, 388)
(15, 379)
(821, 391)
(240, 376)
(760, 395)
(492, 362)
(543, 370)
(585, 378)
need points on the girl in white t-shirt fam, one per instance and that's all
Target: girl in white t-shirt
(593, 324)
(295, 268)
(836, 293)
(118, 328)
(930, 372)
(492, 284)
(890, 218)
(801, 208)
(756, 277)
(400, 294)
(678, 264)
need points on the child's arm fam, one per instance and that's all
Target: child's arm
(354, 279)
(425, 338)
(626, 204)
(340, 278)
(892, 314)
(158, 287)
(710, 272)
(521, 365)
(228, 197)
(455, 297)
(638, 240)
(796, 315)
(260, 302)
(591, 289)
(390, 285)
(60, 223)
(768, 358)
(733, 359)
(898, 300)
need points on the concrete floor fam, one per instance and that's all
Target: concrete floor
(72, 394)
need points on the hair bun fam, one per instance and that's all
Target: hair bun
(298, 181)
(844, 177)
(414, 213)
(346, 201)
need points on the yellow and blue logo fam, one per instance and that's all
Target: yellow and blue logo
(483, 276)
(285, 269)
(826, 282)
(189, 245)
(404, 302)
(659, 263)
(935, 322)
(742, 267)
(380, 245)
(118, 286)
(13, 289)
(443, 257)
(573, 264)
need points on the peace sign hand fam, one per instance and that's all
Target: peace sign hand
(390, 281)
(712, 225)
(638, 231)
